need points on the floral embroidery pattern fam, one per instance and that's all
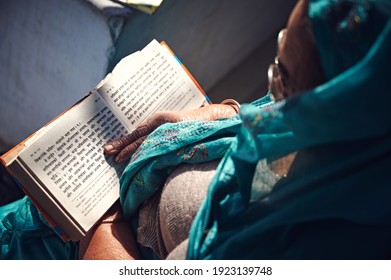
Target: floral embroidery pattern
(138, 184)
(167, 135)
(199, 151)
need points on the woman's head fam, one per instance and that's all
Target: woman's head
(324, 38)
(298, 62)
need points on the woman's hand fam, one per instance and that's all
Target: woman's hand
(123, 148)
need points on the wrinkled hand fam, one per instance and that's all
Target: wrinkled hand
(124, 147)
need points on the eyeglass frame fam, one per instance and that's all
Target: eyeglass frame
(275, 69)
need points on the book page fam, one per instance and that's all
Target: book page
(151, 80)
(69, 161)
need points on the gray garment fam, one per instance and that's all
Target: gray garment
(180, 251)
(166, 218)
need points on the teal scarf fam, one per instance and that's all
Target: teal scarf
(168, 146)
(25, 235)
(334, 204)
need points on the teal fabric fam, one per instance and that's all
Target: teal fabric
(335, 203)
(25, 235)
(172, 144)
(345, 30)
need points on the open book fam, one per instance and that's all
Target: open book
(62, 167)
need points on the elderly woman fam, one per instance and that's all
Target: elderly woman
(303, 177)
(301, 173)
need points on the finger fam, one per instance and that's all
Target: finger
(129, 150)
(115, 146)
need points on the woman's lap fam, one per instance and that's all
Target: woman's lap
(165, 220)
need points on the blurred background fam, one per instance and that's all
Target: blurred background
(53, 52)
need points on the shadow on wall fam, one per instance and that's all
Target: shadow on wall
(211, 38)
